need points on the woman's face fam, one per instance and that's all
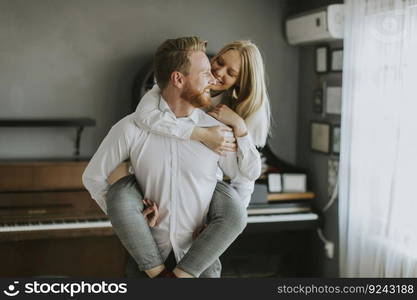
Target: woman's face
(226, 70)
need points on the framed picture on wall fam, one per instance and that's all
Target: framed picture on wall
(333, 97)
(318, 101)
(320, 137)
(322, 59)
(336, 64)
(336, 139)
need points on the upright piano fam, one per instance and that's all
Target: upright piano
(50, 226)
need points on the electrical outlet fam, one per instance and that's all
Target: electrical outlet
(329, 246)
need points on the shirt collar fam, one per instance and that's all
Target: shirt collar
(164, 107)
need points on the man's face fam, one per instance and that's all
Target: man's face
(199, 81)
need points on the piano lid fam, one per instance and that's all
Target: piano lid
(279, 164)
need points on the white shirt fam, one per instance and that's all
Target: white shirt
(150, 117)
(179, 175)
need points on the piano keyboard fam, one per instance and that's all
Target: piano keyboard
(54, 225)
(282, 218)
(104, 223)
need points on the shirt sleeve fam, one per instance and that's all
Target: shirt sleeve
(248, 157)
(113, 150)
(243, 185)
(149, 116)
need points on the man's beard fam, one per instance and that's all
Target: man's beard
(196, 98)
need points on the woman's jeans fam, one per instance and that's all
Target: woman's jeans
(227, 217)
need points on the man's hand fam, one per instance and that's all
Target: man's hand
(150, 212)
(217, 138)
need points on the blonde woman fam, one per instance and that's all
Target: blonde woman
(240, 101)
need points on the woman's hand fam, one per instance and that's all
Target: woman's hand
(217, 138)
(150, 212)
(226, 115)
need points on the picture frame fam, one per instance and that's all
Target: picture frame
(336, 139)
(274, 182)
(333, 99)
(336, 64)
(320, 137)
(322, 59)
(318, 101)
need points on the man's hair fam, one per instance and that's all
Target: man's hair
(173, 55)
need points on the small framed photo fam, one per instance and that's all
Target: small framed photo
(274, 183)
(322, 59)
(336, 64)
(333, 99)
(294, 183)
(336, 139)
(318, 101)
(320, 137)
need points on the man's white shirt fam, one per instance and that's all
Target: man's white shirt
(150, 117)
(179, 175)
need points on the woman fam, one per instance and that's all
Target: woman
(240, 101)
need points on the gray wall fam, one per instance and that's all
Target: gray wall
(316, 163)
(78, 58)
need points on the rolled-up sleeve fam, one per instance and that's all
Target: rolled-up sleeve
(248, 157)
(113, 150)
(243, 185)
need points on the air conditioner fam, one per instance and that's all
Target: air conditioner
(319, 25)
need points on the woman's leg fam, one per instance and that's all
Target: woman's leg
(124, 209)
(227, 218)
(214, 271)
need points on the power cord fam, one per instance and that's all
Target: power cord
(329, 245)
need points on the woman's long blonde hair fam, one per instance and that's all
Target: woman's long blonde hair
(249, 95)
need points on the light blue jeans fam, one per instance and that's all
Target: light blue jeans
(227, 218)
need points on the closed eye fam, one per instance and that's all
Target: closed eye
(232, 74)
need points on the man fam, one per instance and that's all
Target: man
(179, 176)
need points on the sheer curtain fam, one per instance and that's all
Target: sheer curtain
(378, 161)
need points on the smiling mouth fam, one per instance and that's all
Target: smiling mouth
(218, 81)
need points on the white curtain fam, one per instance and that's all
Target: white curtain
(378, 161)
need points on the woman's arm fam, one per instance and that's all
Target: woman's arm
(216, 138)
(249, 159)
(149, 116)
(243, 186)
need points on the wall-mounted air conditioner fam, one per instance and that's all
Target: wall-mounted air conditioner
(319, 25)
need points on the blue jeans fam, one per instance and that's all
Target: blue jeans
(227, 217)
